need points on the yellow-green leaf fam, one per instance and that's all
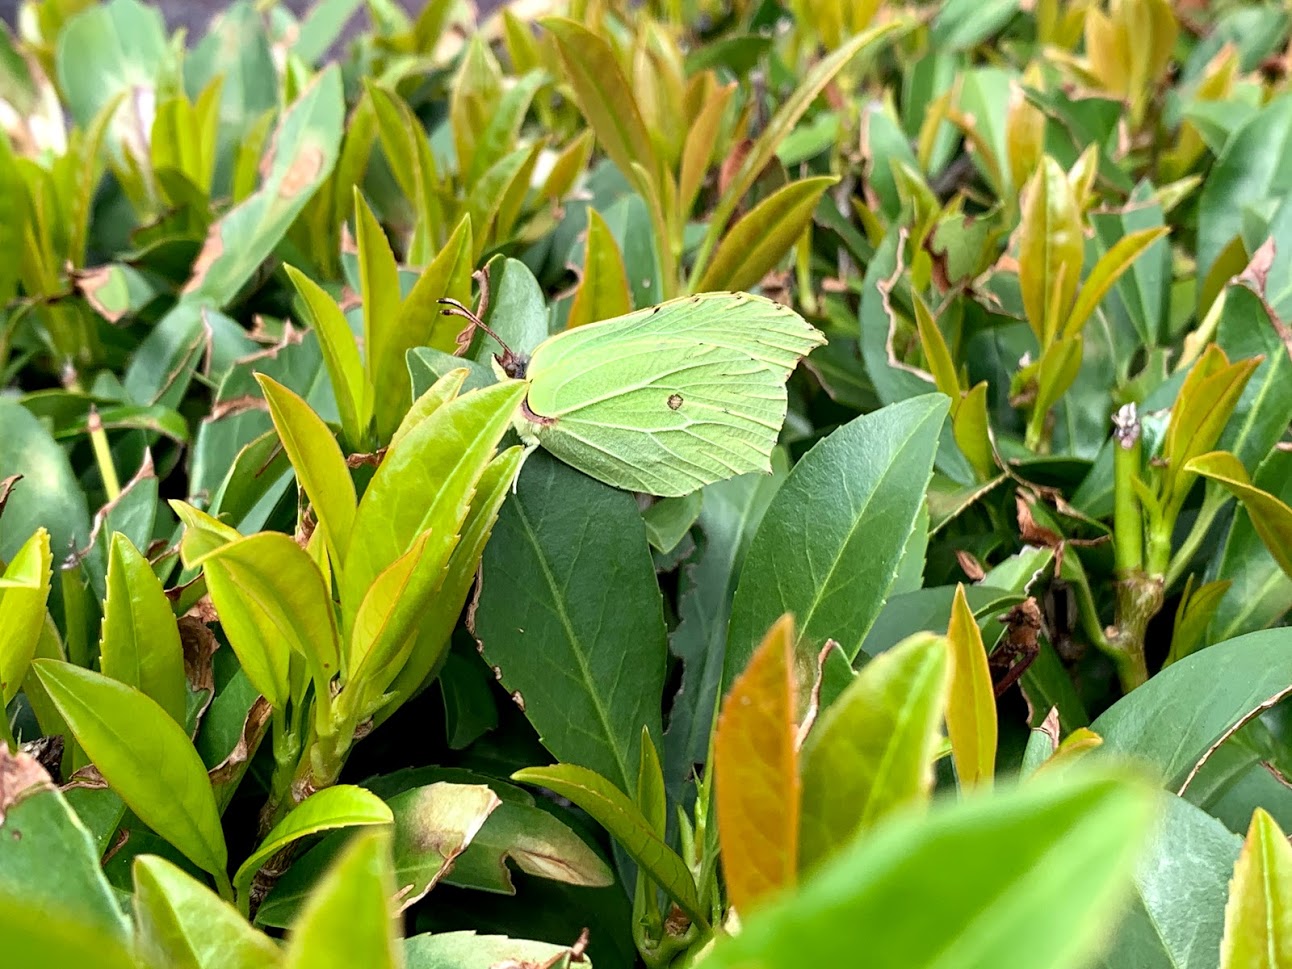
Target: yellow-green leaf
(140, 644)
(1258, 916)
(761, 239)
(612, 809)
(697, 150)
(24, 588)
(936, 352)
(603, 292)
(379, 280)
(871, 753)
(756, 771)
(1271, 518)
(603, 95)
(972, 430)
(319, 464)
(1049, 243)
(971, 702)
(353, 389)
(1107, 271)
(421, 324)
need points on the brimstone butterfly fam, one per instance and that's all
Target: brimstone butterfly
(666, 399)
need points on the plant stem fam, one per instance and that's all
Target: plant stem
(6, 731)
(98, 441)
(1212, 504)
(224, 886)
(1128, 519)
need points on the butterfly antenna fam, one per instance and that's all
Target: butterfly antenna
(453, 308)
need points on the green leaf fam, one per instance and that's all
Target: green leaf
(437, 624)
(603, 291)
(36, 936)
(610, 808)
(184, 925)
(434, 825)
(756, 774)
(353, 389)
(1271, 518)
(383, 349)
(477, 89)
(784, 121)
(26, 448)
(273, 601)
(106, 51)
(756, 244)
(24, 590)
(341, 806)
(669, 520)
(829, 554)
(349, 920)
(145, 757)
(1110, 267)
(1083, 829)
(319, 464)
(140, 644)
(47, 857)
(1176, 914)
(971, 701)
(604, 96)
(1253, 167)
(306, 142)
(1172, 720)
(467, 950)
(1051, 250)
(575, 626)
(421, 322)
(729, 516)
(870, 755)
(1258, 918)
(425, 483)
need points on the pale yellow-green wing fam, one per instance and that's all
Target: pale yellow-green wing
(672, 398)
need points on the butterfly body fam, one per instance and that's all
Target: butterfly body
(667, 399)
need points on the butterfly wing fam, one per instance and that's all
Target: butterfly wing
(757, 327)
(677, 419)
(668, 399)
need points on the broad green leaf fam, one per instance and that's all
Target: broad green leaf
(1252, 167)
(1083, 829)
(1258, 918)
(350, 918)
(273, 601)
(603, 291)
(971, 702)
(870, 754)
(1172, 720)
(341, 806)
(829, 554)
(58, 504)
(140, 644)
(574, 626)
(442, 390)
(145, 757)
(784, 121)
(756, 773)
(24, 590)
(55, 939)
(729, 516)
(604, 96)
(184, 925)
(756, 244)
(1176, 913)
(319, 464)
(203, 534)
(1271, 518)
(47, 857)
(354, 392)
(1051, 250)
(467, 950)
(610, 808)
(106, 51)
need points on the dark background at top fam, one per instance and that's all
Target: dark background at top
(194, 14)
